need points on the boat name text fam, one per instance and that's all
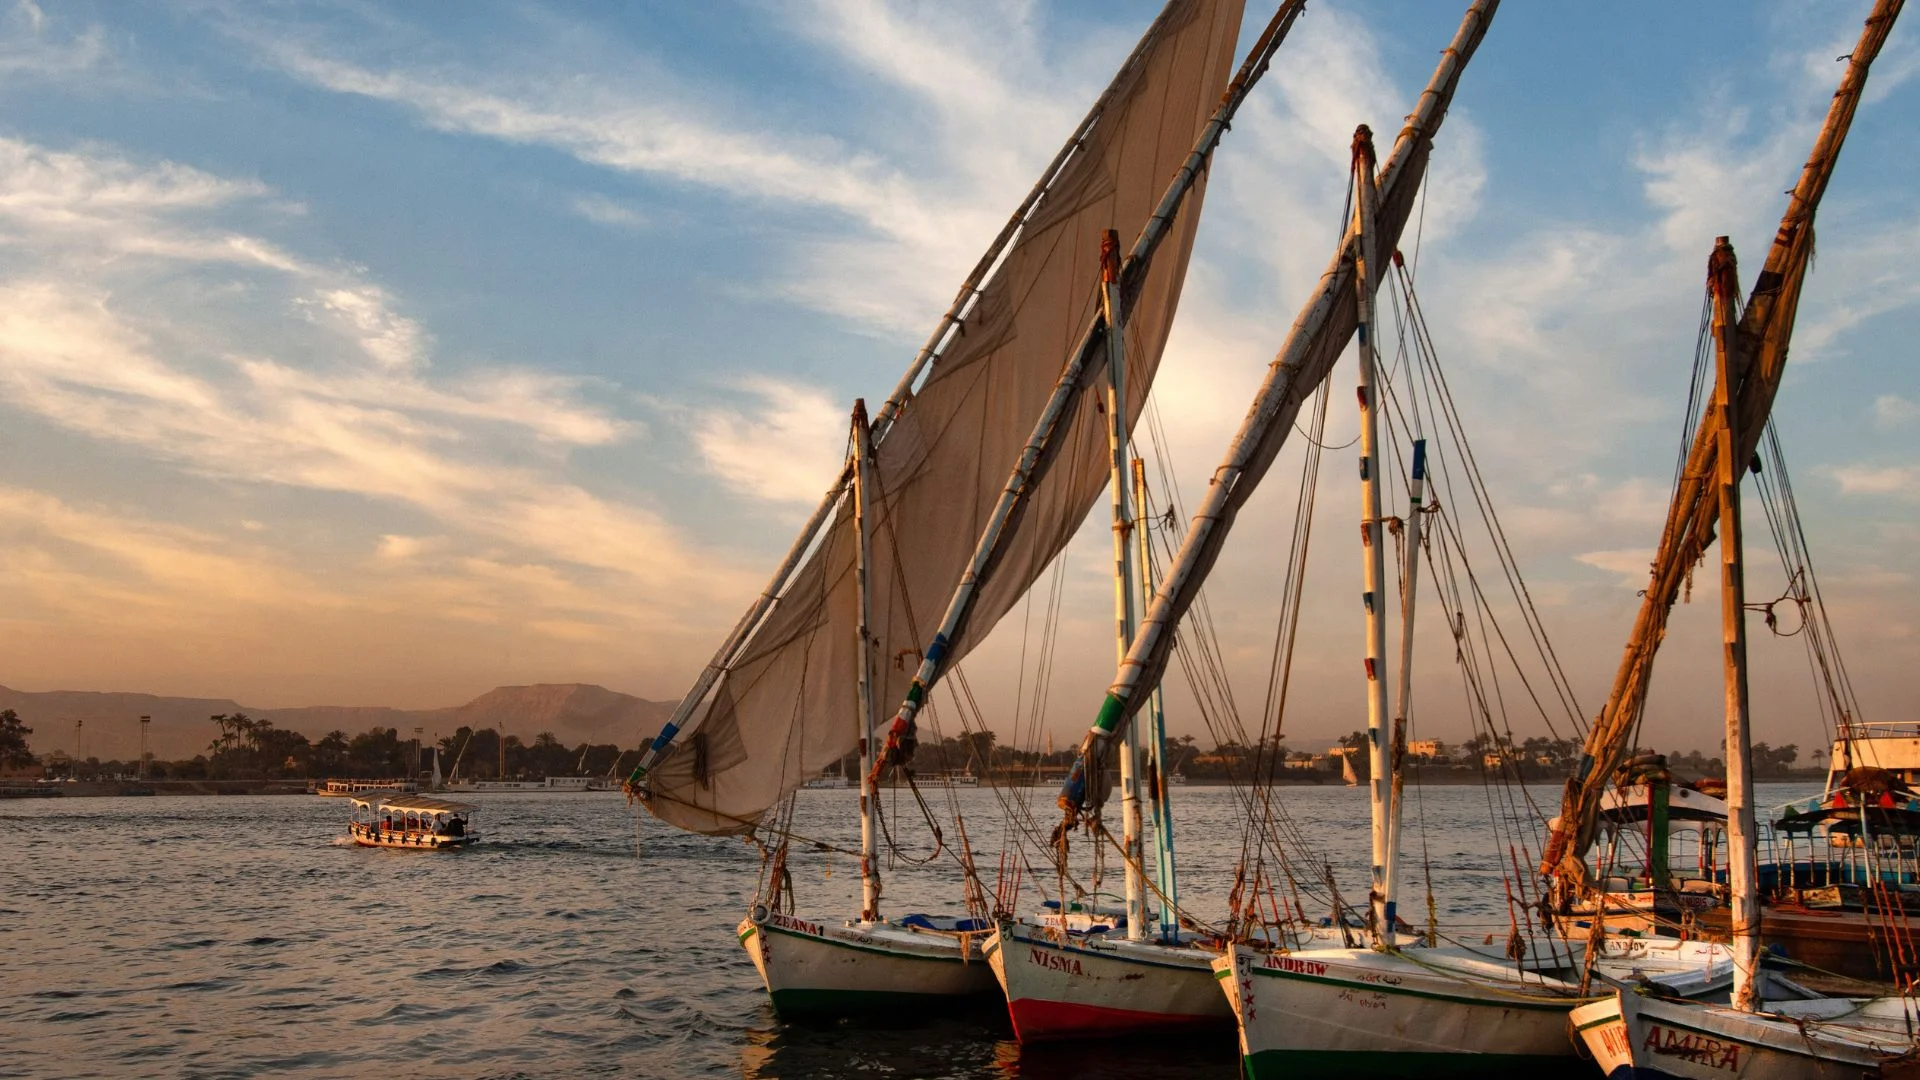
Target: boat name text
(1694, 1047)
(1298, 967)
(1054, 961)
(798, 926)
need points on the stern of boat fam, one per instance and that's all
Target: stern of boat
(1604, 1028)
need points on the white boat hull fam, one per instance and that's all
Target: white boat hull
(407, 841)
(814, 969)
(1357, 1012)
(1634, 1037)
(1059, 986)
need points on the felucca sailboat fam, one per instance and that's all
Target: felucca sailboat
(925, 518)
(1641, 1033)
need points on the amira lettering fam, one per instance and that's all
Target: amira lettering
(1054, 961)
(1693, 1046)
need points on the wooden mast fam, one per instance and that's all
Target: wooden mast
(1403, 706)
(1125, 583)
(863, 561)
(1156, 724)
(1723, 279)
(1366, 277)
(1756, 359)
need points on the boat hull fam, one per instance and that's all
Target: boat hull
(1062, 987)
(414, 841)
(1355, 1012)
(1641, 1038)
(816, 970)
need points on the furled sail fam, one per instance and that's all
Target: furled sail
(783, 705)
(1757, 357)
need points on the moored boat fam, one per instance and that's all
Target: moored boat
(1636, 1036)
(1062, 985)
(821, 969)
(1364, 1012)
(1642, 1035)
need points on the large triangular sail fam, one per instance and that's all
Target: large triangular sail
(778, 703)
(1756, 359)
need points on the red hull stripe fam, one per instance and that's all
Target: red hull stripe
(1035, 1020)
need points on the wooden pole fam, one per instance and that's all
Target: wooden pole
(1742, 833)
(1403, 708)
(1366, 278)
(1760, 347)
(863, 565)
(1125, 583)
(1156, 723)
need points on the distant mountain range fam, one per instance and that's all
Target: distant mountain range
(109, 723)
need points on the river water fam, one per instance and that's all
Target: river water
(242, 936)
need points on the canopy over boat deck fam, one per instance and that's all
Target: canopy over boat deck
(404, 819)
(410, 801)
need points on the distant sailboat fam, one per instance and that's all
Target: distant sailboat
(1346, 770)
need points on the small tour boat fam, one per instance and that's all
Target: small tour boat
(395, 819)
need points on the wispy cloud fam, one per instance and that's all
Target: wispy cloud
(362, 413)
(31, 47)
(781, 447)
(1894, 411)
(604, 211)
(1900, 481)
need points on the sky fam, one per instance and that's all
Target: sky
(381, 354)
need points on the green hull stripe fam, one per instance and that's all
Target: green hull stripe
(1414, 1064)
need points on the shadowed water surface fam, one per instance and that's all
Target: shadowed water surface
(237, 936)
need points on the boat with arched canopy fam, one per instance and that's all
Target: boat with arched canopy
(396, 819)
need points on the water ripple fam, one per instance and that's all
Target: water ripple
(162, 937)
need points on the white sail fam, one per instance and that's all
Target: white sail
(784, 708)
